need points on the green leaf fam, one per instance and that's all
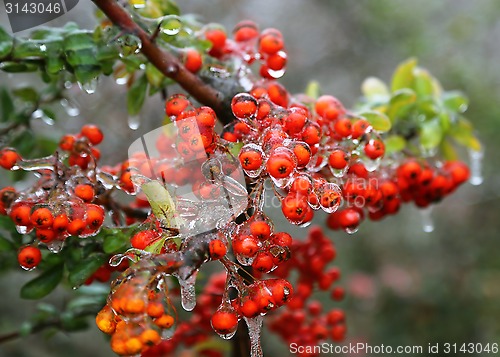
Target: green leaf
(154, 76)
(114, 243)
(379, 121)
(79, 40)
(431, 134)
(374, 89)
(401, 102)
(14, 67)
(6, 245)
(423, 83)
(72, 323)
(29, 50)
(161, 202)
(7, 105)
(43, 284)
(394, 143)
(27, 94)
(235, 148)
(85, 57)
(85, 268)
(6, 43)
(85, 74)
(455, 101)
(403, 75)
(136, 95)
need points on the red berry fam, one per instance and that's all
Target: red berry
(42, 218)
(217, 249)
(374, 149)
(29, 257)
(93, 133)
(192, 60)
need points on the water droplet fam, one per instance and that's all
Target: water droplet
(476, 167)
(188, 294)
(70, 107)
(121, 80)
(134, 122)
(55, 246)
(129, 44)
(254, 329)
(351, 230)
(427, 221)
(89, 87)
(171, 25)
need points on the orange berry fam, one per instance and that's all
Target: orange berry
(60, 223)
(260, 230)
(155, 309)
(93, 133)
(245, 31)
(280, 164)
(217, 249)
(165, 321)
(45, 235)
(134, 306)
(42, 218)
(95, 216)
(21, 214)
(8, 158)
(176, 104)
(118, 346)
(251, 159)
(67, 141)
(76, 227)
(224, 322)
(133, 345)
(85, 192)
(270, 41)
(150, 337)
(105, 320)
(29, 257)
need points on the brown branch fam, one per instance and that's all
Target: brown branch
(164, 61)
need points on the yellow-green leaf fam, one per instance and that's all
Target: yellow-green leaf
(401, 101)
(403, 75)
(379, 121)
(423, 82)
(373, 88)
(161, 202)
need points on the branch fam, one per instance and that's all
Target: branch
(164, 61)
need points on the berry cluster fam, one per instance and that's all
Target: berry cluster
(255, 244)
(249, 45)
(382, 193)
(138, 314)
(303, 322)
(81, 146)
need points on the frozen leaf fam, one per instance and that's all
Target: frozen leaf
(161, 202)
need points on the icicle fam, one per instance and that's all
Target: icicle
(476, 163)
(70, 107)
(427, 221)
(188, 294)
(254, 328)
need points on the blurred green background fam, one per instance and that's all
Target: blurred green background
(404, 286)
